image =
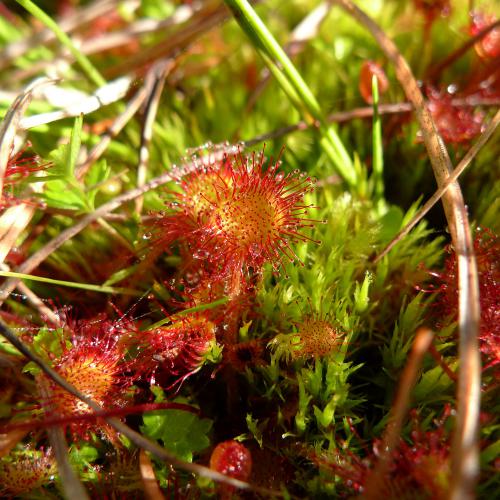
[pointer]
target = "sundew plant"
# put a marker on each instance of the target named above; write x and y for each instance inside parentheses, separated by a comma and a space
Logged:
(249, 249)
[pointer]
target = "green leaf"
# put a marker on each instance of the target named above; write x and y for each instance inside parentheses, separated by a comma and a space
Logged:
(378, 154)
(301, 418)
(490, 453)
(62, 190)
(391, 223)
(181, 432)
(95, 178)
(121, 275)
(325, 417)
(293, 85)
(8, 31)
(82, 458)
(255, 428)
(84, 454)
(432, 385)
(63, 195)
(361, 298)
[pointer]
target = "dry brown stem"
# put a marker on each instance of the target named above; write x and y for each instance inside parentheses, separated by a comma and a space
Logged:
(465, 452)
(71, 484)
(162, 69)
(421, 344)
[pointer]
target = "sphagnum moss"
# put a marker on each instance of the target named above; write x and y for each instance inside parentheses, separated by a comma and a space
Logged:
(274, 349)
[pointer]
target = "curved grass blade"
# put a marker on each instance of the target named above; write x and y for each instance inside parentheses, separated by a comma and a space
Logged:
(294, 86)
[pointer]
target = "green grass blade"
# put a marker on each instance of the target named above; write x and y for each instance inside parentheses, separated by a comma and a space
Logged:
(378, 153)
(74, 146)
(87, 67)
(71, 284)
(289, 78)
(184, 312)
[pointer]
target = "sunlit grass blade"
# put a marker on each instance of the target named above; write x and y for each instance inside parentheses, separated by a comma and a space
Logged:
(378, 152)
(88, 68)
(198, 308)
(294, 86)
(83, 286)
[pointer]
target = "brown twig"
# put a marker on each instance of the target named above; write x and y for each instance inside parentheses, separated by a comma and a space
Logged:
(465, 452)
(12, 223)
(150, 483)
(71, 484)
(121, 37)
(365, 112)
(421, 344)
(131, 109)
(207, 18)
(161, 70)
(464, 163)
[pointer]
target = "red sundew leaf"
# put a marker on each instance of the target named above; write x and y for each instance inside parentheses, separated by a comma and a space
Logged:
(23, 472)
(244, 354)
(177, 350)
(318, 337)
(487, 249)
(455, 124)
(20, 166)
(418, 469)
(93, 363)
(237, 216)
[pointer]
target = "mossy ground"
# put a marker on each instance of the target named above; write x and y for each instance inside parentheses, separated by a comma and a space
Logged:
(288, 409)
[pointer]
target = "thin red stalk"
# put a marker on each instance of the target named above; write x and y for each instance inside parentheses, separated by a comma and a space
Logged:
(115, 412)
(441, 362)
(435, 71)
